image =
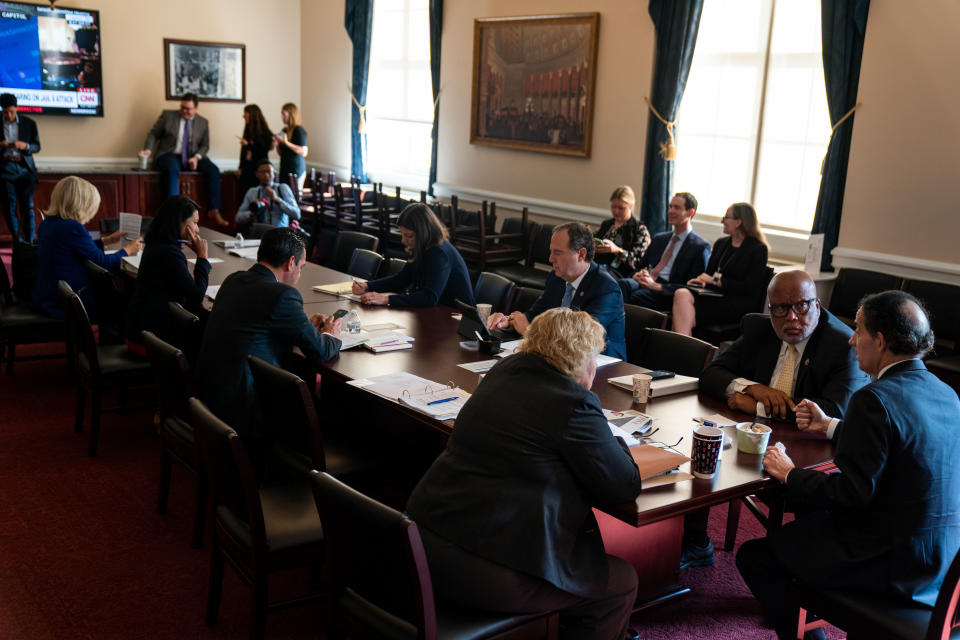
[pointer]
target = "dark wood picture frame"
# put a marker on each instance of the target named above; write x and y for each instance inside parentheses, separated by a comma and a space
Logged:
(196, 66)
(534, 80)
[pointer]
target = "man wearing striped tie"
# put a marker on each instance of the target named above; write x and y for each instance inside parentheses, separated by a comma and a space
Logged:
(799, 351)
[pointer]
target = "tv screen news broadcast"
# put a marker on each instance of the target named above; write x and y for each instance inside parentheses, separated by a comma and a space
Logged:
(50, 59)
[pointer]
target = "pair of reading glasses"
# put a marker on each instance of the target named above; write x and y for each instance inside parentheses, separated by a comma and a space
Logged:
(800, 308)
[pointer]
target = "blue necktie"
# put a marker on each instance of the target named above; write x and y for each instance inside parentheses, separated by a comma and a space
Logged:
(567, 296)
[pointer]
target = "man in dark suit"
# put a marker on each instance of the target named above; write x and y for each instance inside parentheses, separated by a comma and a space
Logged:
(182, 139)
(18, 173)
(889, 521)
(799, 351)
(674, 257)
(578, 283)
(259, 312)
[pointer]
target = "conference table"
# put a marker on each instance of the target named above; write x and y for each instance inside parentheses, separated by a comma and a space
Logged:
(646, 532)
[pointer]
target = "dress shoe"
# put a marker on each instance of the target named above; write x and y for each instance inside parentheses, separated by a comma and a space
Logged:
(631, 634)
(694, 556)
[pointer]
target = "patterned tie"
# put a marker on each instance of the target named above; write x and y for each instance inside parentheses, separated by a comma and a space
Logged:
(185, 146)
(567, 296)
(666, 257)
(785, 379)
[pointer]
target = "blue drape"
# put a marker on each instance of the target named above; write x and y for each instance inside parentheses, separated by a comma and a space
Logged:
(844, 23)
(676, 23)
(436, 32)
(359, 24)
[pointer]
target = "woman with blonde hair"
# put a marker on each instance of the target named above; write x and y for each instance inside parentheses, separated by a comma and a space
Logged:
(292, 145)
(505, 512)
(736, 271)
(64, 245)
(622, 240)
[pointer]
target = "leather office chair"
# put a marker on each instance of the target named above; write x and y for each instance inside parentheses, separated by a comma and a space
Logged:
(259, 529)
(381, 577)
(392, 266)
(851, 285)
(637, 319)
(364, 264)
(344, 245)
(528, 274)
(675, 352)
(871, 616)
(110, 295)
(717, 333)
(174, 379)
(523, 298)
(943, 304)
(20, 324)
(186, 331)
(98, 367)
(493, 290)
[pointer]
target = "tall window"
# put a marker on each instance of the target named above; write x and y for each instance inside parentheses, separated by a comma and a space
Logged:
(399, 94)
(753, 125)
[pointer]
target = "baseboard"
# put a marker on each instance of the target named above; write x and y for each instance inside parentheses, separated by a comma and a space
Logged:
(903, 266)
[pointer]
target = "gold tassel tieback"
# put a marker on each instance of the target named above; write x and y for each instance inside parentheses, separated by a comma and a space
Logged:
(362, 127)
(833, 130)
(668, 150)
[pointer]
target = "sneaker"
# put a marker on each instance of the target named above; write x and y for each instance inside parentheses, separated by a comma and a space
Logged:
(694, 556)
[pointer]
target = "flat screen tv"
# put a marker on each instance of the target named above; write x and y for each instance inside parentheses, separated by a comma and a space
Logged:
(50, 58)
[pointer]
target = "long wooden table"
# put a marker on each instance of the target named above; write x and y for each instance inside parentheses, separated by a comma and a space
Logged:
(651, 536)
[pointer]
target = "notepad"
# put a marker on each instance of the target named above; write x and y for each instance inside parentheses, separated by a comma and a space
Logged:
(341, 289)
(659, 388)
(388, 341)
(238, 244)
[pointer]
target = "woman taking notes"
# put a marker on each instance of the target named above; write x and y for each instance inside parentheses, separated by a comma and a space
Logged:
(436, 274)
(736, 270)
(163, 276)
(622, 240)
(65, 244)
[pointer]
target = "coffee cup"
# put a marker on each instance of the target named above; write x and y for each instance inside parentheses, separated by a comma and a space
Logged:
(752, 437)
(144, 160)
(641, 387)
(705, 454)
(484, 310)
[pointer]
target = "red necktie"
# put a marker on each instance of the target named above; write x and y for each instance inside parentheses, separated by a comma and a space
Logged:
(666, 257)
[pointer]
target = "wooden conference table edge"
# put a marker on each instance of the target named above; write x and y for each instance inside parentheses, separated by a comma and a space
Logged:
(435, 333)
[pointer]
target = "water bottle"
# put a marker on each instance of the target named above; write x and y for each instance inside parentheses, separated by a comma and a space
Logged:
(239, 242)
(352, 322)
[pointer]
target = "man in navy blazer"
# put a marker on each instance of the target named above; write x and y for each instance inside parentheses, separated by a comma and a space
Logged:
(18, 173)
(259, 312)
(889, 521)
(577, 282)
(674, 257)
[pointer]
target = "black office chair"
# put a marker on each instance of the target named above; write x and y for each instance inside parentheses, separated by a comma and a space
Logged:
(851, 285)
(493, 290)
(186, 331)
(111, 296)
(364, 264)
(392, 266)
(523, 298)
(259, 529)
(528, 274)
(943, 304)
(637, 320)
(728, 331)
(20, 324)
(381, 577)
(344, 245)
(675, 352)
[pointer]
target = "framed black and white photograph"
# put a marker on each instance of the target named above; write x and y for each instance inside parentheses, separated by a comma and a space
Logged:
(215, 71)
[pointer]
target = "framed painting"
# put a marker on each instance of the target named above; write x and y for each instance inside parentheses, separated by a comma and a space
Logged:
(533, 82)
(215, 71)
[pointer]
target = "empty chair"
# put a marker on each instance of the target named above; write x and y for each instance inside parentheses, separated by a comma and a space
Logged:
(110, 295)
(851, 285)
(98, 367)
(174, 379)
(943, 304)
(381, 578)
(494, 290)
(364, 264)
(528, 274)
(344, 245)
(637, 320)
(721, 332)
(523, 298)
(259, 529)
(186, 331)
(675, 352)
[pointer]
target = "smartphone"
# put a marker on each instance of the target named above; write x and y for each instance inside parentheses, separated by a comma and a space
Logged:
(339, 313)
(661, 374)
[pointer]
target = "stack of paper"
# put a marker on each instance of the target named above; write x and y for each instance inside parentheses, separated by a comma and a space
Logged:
(628, 423)
(659, 388)
(440, 401)
(387, 341)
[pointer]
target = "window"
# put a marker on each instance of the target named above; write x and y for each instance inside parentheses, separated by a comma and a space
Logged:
(399, 94)
(753, 125)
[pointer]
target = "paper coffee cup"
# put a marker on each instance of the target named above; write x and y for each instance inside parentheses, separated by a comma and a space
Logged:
(705, 453)
(752, 439)
(641, 387)
(143, 162)
(483, 310)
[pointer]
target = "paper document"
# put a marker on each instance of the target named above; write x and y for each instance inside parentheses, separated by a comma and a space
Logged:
(441, 401)
(381, 341)
(510, 347)
(212, 291)
(210, 260)
(341, 289)
(658, 388)
(383, 326)
(629, 421)
(130, 224)
(250, 253)
(132, 261)
(237, 244)
(479, 367)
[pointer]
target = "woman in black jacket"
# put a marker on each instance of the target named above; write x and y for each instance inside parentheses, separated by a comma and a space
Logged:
(163, 276)
(622, 240)
(255, 146)
(736, 271)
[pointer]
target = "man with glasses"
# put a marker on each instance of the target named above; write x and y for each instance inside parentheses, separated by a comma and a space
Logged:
(799, 351)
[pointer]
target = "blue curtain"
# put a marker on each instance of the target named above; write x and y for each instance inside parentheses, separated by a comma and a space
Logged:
(436, 32)
(676, 23)
(844, 23)
(359, 24)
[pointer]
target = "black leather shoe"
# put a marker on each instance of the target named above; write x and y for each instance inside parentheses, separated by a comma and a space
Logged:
(694, 556)
(632, 634)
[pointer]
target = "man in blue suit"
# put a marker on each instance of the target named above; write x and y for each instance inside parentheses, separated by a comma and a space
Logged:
(18, 173)
(674, 257)
(578, 283)
(889, 521)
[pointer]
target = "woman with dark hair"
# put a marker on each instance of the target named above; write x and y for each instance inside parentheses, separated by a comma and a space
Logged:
(736, 271)
(255, 145)
(163, 276)
(435, 274)
(622, 239)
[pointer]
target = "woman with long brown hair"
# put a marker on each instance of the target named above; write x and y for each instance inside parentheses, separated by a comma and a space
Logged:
(255, 145)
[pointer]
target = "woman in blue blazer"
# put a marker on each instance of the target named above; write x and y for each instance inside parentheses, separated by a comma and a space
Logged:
(64, 244)
(436, 274)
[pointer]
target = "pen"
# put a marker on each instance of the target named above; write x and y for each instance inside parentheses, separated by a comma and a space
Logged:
(442, 400)
(706, 423)
(380, 344)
